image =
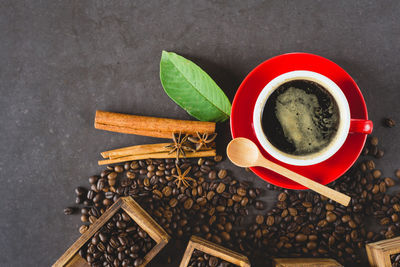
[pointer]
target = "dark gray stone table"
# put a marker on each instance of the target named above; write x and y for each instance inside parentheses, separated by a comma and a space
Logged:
(62, 60)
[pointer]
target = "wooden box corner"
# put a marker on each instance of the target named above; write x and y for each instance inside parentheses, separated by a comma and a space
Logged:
(305, 262)
(71, 257)
(213, 250)
(379, 252)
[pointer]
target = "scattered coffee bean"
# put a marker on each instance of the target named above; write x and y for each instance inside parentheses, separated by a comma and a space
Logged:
(380, 154)
(282, 196)
(69, 210)
(389, 182)
(218, 158)
(83, 228)
(370, 164)
(389, 122)
(374, 141)
(376, 174)
(259, 219)
(259, 205)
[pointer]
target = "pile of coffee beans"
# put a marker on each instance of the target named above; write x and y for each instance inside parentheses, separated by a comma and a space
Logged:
(120, 242)
(303, 223)
(227, 211)
(201, 259)
(212, 207)
(395, 260)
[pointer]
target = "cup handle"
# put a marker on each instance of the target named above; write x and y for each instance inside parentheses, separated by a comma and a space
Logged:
(360, 126)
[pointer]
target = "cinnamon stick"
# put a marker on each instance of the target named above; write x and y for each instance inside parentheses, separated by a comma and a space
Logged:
(135, 150)
(149, 126)
(138, 150)
(160, 155)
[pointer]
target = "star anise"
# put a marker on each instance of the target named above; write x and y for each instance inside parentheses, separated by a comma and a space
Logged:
(181, 178)
(179, 146)
(202, 140)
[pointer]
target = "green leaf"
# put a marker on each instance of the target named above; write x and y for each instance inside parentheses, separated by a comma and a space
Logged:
(192, 89)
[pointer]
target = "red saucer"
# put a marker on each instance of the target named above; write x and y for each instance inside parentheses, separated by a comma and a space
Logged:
(245, 99)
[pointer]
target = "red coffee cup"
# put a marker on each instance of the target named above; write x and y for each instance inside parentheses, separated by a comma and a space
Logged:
(326, 171)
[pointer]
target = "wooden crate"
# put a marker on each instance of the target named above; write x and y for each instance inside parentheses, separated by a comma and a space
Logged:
(71, 257)
(379, 252)
(304, 262)
(214, 250)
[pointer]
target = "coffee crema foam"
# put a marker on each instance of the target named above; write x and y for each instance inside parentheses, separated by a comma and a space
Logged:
(303, 122)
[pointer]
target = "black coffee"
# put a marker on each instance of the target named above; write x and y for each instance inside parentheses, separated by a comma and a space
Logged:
(300, 117)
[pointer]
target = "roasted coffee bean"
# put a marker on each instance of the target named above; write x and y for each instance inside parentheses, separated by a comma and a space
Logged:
(374, 141)
(270, 220)
(389, 122)
(301, 237)
(130, 175)
(382, 187)
(252, 193)
(370, 164)
(98, 197)
(90, 194)
(389, 182)
(222, 173)
(188, 204)
(259, 219)
(212, 175)
(83, 228)
(282, 196)
(396, 207)
(395, 260)
(281, 205)
(373, 150)
(384, 221)
(330, 217)
(93, 179)
(376, 174)
(397, 173)
(79, 199)
(112, 176)
(220, 188)
(375, 189)
(380, 154)
(118, 168)
(157, 193)
(259, 205)
(80, 191)
(244, 201)
(69, 210)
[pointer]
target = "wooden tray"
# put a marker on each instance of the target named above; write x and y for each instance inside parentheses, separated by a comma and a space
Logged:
(379, 252)
(214, 250)
(71, 257)
(304, 262)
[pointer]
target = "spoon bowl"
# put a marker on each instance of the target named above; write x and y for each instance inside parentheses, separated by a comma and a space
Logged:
(244, 153)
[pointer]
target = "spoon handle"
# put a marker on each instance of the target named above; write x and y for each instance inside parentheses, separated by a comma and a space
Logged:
(317, 187)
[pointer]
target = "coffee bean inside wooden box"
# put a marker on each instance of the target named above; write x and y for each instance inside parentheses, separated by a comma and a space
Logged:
(203, 245)
(71, 257)
(379, 252)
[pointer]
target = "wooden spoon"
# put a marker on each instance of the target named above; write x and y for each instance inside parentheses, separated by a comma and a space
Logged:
(244, 153)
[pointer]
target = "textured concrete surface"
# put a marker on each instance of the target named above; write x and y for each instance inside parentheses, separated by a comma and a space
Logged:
(62, 60)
